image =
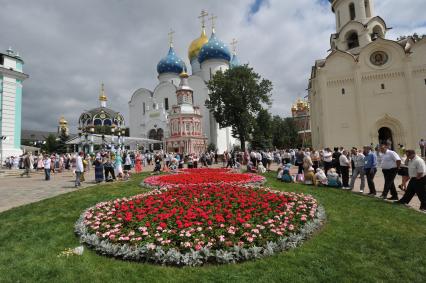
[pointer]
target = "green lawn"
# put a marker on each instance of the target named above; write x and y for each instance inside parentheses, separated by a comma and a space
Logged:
(364, 240)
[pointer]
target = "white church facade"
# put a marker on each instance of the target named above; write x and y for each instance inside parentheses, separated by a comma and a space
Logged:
(369, 89)
(149, 109)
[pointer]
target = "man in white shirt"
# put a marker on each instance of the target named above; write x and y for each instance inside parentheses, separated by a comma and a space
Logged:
(390, 166)
(327, 158)
(417, 172)
(79, 168)
(46, 164)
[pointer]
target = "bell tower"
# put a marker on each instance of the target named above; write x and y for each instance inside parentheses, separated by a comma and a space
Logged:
(356, 25)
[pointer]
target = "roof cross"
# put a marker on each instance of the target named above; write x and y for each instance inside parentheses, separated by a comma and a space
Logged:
(234, 45)
(171, 33)
(203, 16)
(213, 18)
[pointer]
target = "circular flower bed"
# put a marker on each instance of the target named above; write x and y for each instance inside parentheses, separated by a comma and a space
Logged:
(192, 225)
(202, 176)
(205, 170)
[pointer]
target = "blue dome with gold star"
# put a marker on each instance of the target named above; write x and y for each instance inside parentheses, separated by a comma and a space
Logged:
(171, 63)
(214, 49)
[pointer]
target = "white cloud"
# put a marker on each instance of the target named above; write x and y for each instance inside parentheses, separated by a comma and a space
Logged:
(70, 47)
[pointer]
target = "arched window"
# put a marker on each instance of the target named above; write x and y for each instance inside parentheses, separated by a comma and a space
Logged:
(367, 8)
(160, 134)
(97, 122)
(152, 134)
(352, 11)
(352, 40)
(377, 32)
(107, 122)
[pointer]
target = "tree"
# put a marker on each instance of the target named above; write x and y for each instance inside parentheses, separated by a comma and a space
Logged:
(262, 133)
(61, 141)
(50, 145)
(284, 133)
(236, 97)
(211, 147)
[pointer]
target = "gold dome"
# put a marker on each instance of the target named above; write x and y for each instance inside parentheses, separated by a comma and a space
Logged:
(62, 121)
(197, 44)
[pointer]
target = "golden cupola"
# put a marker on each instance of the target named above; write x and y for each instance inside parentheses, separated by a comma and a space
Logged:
(63, 122)
(198, 43)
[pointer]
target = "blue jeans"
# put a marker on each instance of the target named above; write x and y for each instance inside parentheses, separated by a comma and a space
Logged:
(47, 174)
(77, 178)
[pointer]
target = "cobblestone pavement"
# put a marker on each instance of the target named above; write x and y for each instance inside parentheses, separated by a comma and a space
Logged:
(17, 191)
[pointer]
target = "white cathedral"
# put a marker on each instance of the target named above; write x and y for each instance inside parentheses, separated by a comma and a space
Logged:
(149, 110)
(369, 89)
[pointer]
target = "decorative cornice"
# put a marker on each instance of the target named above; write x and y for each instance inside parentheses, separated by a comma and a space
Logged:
(340, 81)
(13, 73)
(419, 70)
(382, 76)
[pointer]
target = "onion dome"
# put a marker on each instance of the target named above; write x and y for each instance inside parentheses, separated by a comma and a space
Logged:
(214, 49)
(63, 122)
(196, 45)
(171, 63)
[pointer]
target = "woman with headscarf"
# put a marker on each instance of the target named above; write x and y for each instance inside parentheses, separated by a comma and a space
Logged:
(99, 170)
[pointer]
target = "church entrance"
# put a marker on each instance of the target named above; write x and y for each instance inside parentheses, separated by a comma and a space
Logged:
(156, 134)
(386, 136)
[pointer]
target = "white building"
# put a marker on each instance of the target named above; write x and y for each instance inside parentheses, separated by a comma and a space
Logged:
(149, 110)
(11, 78)
(369, 89)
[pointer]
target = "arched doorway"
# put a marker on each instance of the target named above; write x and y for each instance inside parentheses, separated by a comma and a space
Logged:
(156, 134)
(386, 136)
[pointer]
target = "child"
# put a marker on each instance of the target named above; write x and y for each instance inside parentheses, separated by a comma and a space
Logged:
(126, 175)
(280, 173)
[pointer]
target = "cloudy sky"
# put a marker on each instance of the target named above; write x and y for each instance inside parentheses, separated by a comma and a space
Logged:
(70, 47)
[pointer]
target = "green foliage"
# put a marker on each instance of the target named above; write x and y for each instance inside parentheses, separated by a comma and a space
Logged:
(61, 142)
(284, 133)
(263, 131)
(212, 147)
(51, 144)
(363, 240)
(236, 97)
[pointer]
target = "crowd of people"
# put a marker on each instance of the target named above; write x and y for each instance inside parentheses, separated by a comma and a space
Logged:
(337, 168)
(340, 168)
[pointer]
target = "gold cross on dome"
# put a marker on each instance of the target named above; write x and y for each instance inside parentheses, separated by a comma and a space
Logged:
(213, 18)
(171, 33)
(234, 45)
(203, 16)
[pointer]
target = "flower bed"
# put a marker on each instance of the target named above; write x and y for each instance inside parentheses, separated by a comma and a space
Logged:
(205, 170)
(192, 225)
(202, 176)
